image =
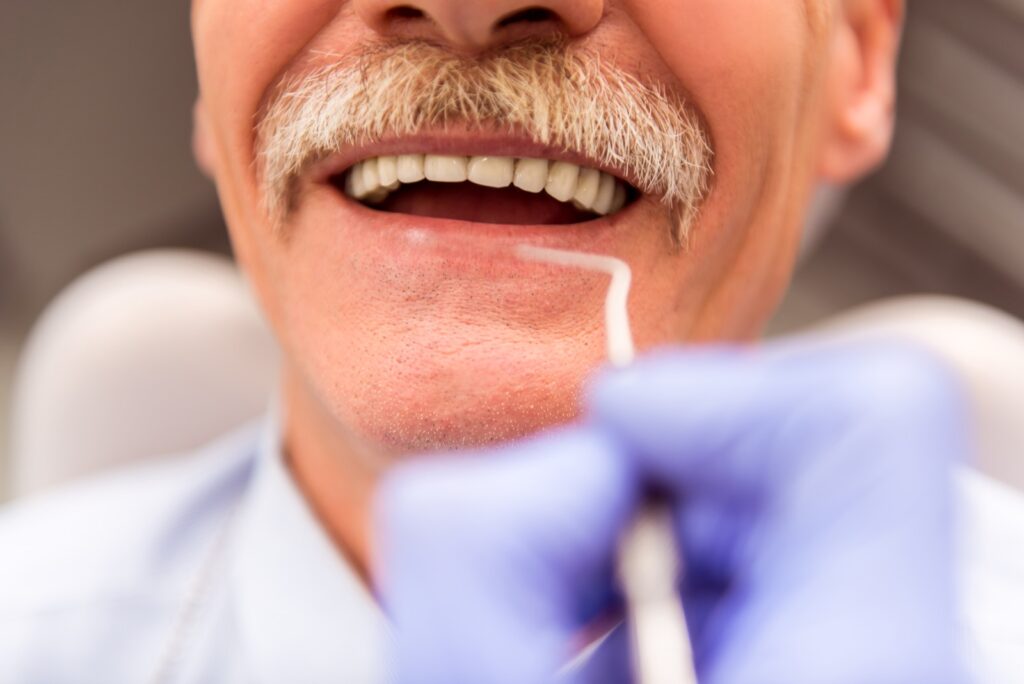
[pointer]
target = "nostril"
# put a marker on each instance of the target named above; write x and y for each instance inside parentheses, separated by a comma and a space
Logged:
(404, 12)
(530, 15)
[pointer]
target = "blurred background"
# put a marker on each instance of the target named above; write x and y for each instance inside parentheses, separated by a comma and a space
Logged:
(95, 162)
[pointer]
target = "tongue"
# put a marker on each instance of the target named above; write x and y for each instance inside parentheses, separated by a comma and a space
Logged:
(469, 202)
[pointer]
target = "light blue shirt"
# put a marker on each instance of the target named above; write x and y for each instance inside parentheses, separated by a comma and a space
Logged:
(207, 568)
(212, 568)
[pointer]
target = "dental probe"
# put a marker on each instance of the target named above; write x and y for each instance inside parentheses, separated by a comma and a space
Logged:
(648, 562)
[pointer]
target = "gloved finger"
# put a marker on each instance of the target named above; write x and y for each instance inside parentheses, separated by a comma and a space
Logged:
(815, 505)
(487, 560)
(715, 418)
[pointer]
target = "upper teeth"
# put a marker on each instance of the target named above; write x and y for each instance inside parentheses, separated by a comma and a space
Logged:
(372, 180)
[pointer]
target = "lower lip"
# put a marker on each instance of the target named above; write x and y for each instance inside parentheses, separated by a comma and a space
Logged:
(454, 272)
(450, 234)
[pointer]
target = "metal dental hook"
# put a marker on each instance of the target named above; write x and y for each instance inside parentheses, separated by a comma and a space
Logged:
(621, 351)
(649, 567)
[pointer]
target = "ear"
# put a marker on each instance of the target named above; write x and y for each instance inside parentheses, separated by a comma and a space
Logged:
(202, 144)
(861, 89)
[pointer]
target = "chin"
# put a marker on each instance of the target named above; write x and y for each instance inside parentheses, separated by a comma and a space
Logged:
(422, 400)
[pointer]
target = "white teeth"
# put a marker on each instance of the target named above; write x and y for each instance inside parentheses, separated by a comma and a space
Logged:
(605, 195)
(619, 198)
(491, 172)
(562, 181)
(354, 183)
(377, 196)
(387, 170)
(444, 168)
(410, 168)
(531, 174)
(372, 180)
(586, 188)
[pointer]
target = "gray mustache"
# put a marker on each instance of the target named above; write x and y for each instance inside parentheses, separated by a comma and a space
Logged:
(560, 97)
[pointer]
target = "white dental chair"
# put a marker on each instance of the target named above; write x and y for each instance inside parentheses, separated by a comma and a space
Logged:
(150, 354)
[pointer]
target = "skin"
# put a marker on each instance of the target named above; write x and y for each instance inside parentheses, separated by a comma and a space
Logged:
(394, 345)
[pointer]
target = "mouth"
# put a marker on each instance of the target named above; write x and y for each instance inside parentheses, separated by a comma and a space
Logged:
(484, 188)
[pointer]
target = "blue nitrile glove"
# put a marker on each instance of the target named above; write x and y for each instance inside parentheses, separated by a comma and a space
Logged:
(814, 503)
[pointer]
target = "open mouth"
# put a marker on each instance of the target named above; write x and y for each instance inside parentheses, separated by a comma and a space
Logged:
(485, 189)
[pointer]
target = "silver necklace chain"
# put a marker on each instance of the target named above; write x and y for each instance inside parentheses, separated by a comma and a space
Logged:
(187, 619)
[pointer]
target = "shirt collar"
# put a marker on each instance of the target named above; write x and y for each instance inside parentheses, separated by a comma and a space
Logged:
(303, 612)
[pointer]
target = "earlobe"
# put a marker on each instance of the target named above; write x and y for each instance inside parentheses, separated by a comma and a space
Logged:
(202, 145)
(860, 97)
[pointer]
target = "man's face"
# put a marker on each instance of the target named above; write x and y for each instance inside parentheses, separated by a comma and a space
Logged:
(410, 320)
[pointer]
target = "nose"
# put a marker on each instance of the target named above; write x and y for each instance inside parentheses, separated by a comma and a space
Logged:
(478, 25)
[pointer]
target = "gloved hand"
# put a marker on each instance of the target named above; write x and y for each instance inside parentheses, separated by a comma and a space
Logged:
(812, 490)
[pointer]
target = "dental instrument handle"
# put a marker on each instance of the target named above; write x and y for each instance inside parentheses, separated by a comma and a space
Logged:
(649, 571)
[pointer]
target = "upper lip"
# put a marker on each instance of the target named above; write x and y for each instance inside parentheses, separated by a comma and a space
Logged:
(456, 143)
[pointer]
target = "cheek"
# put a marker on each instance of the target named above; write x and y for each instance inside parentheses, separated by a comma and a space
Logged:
(741, 60)
(241, 45)
(745, 65)
(241, 48)
(732, 54)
